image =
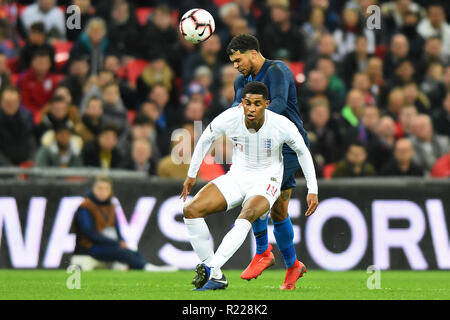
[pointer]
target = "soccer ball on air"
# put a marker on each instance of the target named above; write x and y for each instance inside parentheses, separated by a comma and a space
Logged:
(197, 25)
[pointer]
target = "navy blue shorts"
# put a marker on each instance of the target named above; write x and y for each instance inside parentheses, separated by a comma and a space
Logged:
(291, 166)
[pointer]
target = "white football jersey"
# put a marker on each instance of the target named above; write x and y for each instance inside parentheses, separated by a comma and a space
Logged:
(256, 153)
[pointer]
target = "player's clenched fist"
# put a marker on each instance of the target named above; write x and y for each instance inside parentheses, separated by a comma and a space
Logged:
(313, 202)
(187, 187)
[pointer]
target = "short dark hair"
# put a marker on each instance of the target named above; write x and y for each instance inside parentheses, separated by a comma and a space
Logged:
(38, 27)
(109, 126)
(142, 119)
(242, 43)
(256, 87)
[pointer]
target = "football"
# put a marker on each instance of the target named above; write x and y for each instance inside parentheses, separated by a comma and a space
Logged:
(197, 25)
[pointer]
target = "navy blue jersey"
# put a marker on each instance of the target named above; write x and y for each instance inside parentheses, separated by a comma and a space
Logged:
(277, 76)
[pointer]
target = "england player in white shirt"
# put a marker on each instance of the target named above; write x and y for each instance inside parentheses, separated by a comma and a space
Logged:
(253, 180)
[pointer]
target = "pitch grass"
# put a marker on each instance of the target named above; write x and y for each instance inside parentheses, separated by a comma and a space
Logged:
(315, 285)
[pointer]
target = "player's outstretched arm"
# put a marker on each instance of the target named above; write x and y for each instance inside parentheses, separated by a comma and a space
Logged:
(296, 142)
(187, 187)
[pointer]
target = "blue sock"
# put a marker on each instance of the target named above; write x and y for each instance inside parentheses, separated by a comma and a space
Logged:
(284, 234)
(260, 231)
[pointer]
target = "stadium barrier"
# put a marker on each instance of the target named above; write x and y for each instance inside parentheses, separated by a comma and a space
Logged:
(390, 223)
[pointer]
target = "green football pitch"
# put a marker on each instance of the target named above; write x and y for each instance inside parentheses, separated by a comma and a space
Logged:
(315, 285)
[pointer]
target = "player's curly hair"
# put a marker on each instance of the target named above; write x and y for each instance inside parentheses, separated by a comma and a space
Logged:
(242, 43)
(256, 87)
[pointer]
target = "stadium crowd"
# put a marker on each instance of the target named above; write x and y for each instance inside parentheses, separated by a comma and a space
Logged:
(108, 90)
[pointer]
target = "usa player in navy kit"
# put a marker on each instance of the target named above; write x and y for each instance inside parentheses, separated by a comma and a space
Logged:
(244, 52)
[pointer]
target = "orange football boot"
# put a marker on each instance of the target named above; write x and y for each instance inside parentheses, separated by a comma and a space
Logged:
(259, 263)
(292, 275)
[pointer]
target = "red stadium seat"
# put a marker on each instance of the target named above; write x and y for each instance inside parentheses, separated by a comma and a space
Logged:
(134, 69)
(142, 14)
(220, 3)
(297, 69)
(131, 115)
(328, 170)
(15, 78)
(13, 64)
(62, 53)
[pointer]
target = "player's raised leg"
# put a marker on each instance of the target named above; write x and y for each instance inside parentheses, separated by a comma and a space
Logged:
(208, 200)
(253, 208)
(284, 235)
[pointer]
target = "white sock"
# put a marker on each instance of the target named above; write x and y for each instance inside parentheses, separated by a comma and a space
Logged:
(230, 243)
(199, 237)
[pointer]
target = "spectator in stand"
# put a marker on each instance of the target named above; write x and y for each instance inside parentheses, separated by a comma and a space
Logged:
(282, 33)
(161, 135)
(433, 86)
(222, 100)
(169, 115)
(77, 77)
(176, 164)
(436, 25)
(396, 101)
(87, 11)
(37, 84)
(5, 78)
(112, 64)
(324, 143)
(62, 152)
(404, 128)
(355, 163)
(36, 41)
(94, 44)
(441, 168)
(45, 11)
(331, 15)
(447, 77)
(103, 152)
(409, 29)
(141, 158)
(316, 85)
(377, 150)
(315, 28)
(441, 117)
(249, 12)
(351, 27)
(160, 36)
(395, 14)
(431, 52)
(374, 71)
(355, 61)
(91, 121)
(428, 146)
(386, 131)
(63, 91)
(327, 48)
(194, 110)
(229, 13)
(143, 128)
(123, 28)
(156, 72)
(404, 73)
(352, 112)
(335, 83)
(401, 164)
(361, 82)
(413, 96)
(58, 113)
(209, 55)
(398, 51)
(17, 143)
